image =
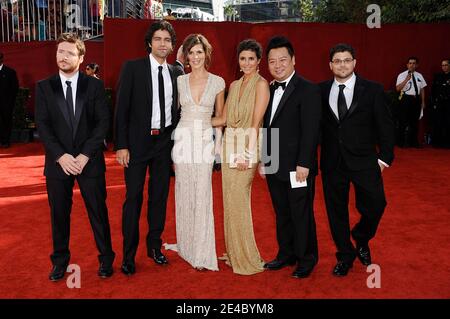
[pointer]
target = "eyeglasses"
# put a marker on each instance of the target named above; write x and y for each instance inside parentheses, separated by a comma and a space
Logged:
(444, 65)
(339, 61)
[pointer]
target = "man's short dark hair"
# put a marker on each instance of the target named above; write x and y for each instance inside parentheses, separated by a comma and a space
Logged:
(280, 42)
(159, 25)
(342, 47)
(413, 58)
(250, 45)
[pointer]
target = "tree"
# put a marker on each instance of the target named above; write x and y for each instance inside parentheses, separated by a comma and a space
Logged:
(415, 11)
(343, 11)
(405, 11)
(229, 12)
(304, 9)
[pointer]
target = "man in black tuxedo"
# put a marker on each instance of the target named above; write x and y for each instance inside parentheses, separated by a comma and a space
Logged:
(293, 114)
(355, 121)
(72, 119)
(9, 86)
(146, 114)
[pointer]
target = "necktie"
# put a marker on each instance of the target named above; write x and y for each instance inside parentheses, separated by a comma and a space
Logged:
(342, 105)
(162, 103)
(277, 84)
(69, 103)
(416, 89)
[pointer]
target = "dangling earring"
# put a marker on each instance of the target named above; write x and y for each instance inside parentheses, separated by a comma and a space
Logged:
(240, 70)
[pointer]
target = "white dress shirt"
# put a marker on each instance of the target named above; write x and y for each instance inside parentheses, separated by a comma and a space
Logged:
(277, 95)
(168, 95)
(73, 85)
(348, 93)
(408, 89)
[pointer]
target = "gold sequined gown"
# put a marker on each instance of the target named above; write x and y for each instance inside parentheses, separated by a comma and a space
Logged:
(241, 250)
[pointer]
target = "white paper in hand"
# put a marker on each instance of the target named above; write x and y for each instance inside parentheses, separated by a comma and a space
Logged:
(294, 183)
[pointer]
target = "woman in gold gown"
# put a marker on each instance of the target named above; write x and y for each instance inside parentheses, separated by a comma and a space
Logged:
(242, 115)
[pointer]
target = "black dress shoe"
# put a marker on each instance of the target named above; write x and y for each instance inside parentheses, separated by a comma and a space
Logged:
(128, 268)
(341, 269)
(363, 253)
(302, 272)
(158, 257)
(57, 273)
(279, 263)
(105, 271)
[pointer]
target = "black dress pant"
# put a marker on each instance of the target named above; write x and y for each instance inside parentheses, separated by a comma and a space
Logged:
(409, 120)
(93, 191)
(440, 124)
(370, 203)
(158, 167)
(296, 226)
(6, 115)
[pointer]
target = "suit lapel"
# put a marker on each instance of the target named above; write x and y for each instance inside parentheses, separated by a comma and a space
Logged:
(174, 91)
(269, 108)
(287, 93)
(359, 88)
(327, 100)
(80, 99)
(149, 86)
(55, 83)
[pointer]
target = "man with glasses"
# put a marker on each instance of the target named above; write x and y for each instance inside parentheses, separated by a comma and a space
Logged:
(440, 99)
(410, 84)
(355, 121)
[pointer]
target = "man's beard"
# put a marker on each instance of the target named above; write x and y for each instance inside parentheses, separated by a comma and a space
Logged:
(66, 68)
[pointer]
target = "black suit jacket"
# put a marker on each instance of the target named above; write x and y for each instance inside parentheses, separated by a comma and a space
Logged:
(134, 108)
(90, 129)
(367, 123)
(9, 86)
(298, 120)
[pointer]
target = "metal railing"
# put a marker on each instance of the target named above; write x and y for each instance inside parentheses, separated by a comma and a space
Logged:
(42, 20)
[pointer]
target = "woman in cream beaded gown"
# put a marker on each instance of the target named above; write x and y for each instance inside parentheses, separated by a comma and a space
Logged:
(243, 113)
(193, 156)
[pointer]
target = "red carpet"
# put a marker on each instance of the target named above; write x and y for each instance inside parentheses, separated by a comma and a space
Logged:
(411, 246)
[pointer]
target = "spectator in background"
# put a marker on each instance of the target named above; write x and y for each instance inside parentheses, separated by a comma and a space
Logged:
(9, 86)
(411, 86)
(169, 15)
(92, 69)
(440, 104)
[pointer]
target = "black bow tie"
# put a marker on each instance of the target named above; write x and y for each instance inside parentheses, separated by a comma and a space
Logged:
(277, 84)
